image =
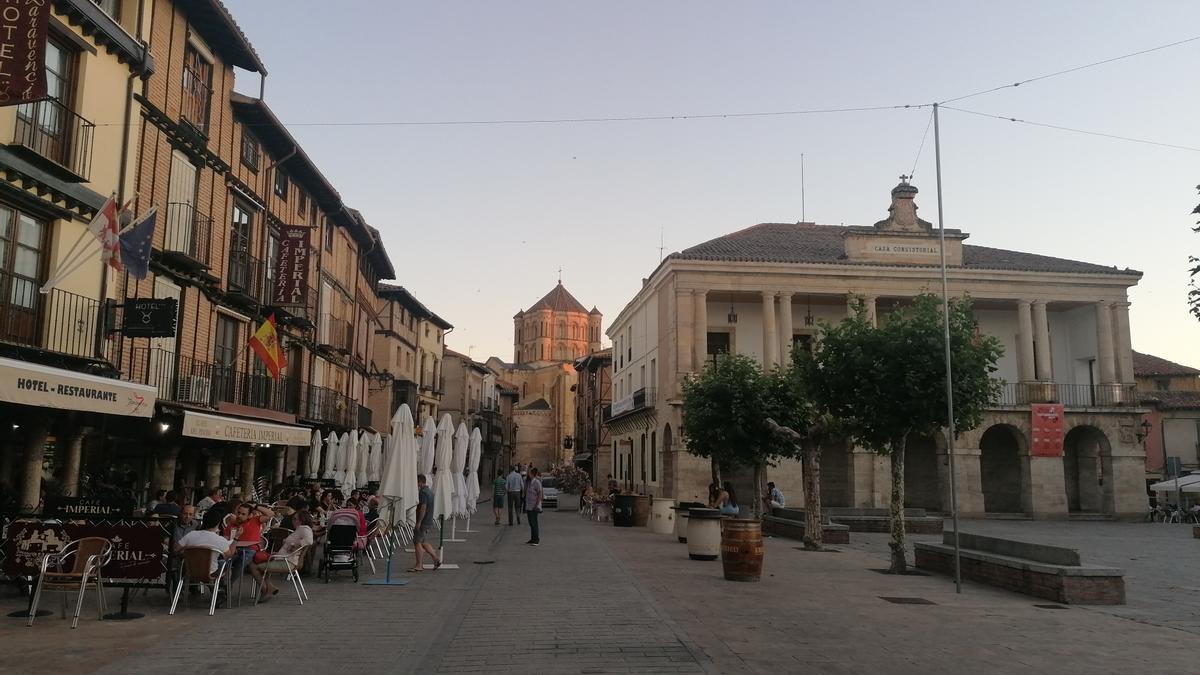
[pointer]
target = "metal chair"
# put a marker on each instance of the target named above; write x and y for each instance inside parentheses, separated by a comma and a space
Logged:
(88, 557)
(293, 572)
(197, 569)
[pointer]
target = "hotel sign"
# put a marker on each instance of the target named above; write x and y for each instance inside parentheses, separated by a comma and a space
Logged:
(23, 26)
(217, 427)
(291, 266)
(46, 387)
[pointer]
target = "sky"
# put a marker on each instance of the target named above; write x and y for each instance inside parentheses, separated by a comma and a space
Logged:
(478, 218)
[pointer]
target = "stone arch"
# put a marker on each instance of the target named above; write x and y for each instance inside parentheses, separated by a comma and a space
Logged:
(922, 482)
(1087, 470)
(1002, 447)
(668, 461)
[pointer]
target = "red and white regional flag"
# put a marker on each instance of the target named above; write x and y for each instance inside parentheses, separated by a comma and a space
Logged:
(106, 228)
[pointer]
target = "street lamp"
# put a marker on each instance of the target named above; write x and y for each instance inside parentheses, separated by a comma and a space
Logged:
(568, 442)
(1145, 430)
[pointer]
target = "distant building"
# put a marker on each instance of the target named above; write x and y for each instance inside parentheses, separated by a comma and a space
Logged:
(593, 399)
(1172, 393)
(401, 349)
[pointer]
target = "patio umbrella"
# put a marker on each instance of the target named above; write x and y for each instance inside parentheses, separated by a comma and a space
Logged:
(331, 455)
(364, 456)
(350, 443)
(399, 481)
(458, 464)
(443, 483)
(375, 460)
(426, 451)
(314, 455)
(474, 450)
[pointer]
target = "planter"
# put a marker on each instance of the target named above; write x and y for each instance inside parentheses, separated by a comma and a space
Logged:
(567, 502)
(742, 549)
(704, 534)
(681, 519)
(662, 516)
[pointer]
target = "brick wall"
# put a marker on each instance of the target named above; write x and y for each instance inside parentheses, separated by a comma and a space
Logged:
(1059, 588)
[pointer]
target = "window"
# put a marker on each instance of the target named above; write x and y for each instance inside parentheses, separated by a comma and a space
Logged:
(46, 127)
(197, 88)
(642, 457)
(22, 238)
(240, 268)
(653, 456)
(281, 184)
(110, 7)
(250, 151)
(1162, 384)
(226, 348)
(329, 235)
(718, 346)
(804, 342)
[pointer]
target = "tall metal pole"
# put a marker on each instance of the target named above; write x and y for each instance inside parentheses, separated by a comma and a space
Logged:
(803, 214)
(937, 149)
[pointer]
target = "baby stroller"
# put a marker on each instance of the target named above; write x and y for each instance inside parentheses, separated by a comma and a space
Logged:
(341, 550)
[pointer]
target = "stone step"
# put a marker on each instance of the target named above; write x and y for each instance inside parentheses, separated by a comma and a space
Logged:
(1091, 516)
(1007, 516)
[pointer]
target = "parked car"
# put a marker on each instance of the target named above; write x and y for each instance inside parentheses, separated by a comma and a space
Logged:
(550, 493)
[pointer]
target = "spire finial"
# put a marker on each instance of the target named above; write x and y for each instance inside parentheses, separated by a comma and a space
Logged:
(560, 275)
(904, 179)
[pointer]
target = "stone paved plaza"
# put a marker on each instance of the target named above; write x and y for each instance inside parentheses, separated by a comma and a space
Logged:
(597, 599)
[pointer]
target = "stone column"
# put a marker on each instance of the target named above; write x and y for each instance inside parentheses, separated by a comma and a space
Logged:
(968, 481)
(869, 301)
(685, 331)
(785, 329)
(164, 468)
(1041, 332)
(248, 473)
(74, 459)
(1104, 343)
(1042, 487)
(700, 328)
(212, 476)
(31, 474)
(1025, 369)
(770, 338)
(280, 461)
(1124, 355)
(189, 477)
(8, 456)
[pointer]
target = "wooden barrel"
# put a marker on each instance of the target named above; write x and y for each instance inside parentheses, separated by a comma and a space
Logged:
(641, 511)
(742, 549)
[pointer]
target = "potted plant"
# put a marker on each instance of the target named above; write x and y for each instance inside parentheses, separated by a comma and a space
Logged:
(570, 480)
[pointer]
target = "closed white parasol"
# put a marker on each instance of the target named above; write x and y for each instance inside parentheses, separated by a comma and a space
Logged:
(363, 448)
(332, 448)
(350, 445)
(375, 459)
(314, 455)
(426, 451)
(474, 450)
(443, 483)
(399, 480)
(458, 464)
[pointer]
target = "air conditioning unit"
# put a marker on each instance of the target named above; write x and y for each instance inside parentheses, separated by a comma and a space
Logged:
(194, 389)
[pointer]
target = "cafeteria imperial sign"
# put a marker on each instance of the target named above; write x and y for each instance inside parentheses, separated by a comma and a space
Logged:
(220, 428)
(42, 386)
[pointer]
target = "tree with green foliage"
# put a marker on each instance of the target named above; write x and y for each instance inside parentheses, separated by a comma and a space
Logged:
(802, 421)
(725, 409)
(888, 382)
(1193, 296)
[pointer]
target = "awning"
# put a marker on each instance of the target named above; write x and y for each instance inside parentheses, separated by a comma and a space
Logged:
(1184, 481)
(582, 457)
(35, 384)
(221, 428)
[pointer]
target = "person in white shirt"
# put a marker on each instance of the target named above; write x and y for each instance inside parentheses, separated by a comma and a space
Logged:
(292, 547)
(214, 495)
(774, 498)
(514, 484)
(207, 537)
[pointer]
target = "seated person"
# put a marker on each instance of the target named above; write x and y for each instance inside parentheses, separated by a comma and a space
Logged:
(186, 523)
(372, 513)
(167, 507)
(303, 536)
(208, 537)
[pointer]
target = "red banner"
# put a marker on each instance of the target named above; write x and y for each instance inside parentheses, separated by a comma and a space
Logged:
(23, 26)
(1049, 423)
(291, 266)
(137, 549)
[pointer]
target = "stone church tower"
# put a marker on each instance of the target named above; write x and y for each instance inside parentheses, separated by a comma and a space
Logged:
(556, 328)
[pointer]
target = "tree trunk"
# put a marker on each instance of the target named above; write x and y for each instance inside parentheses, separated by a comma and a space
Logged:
(716, 473)
(814, 535)
(896, 511)
(758, 491)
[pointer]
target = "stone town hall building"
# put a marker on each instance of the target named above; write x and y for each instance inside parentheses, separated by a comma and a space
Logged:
(547, 338)
(1064, 326)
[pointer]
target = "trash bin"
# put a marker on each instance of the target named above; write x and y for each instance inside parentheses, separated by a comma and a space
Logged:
(704, 534)
(622, 513)
(662, 516)
(681, 519)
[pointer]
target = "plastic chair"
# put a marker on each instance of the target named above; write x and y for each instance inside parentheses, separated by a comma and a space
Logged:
(293, 572)
(88, 557)
(197, 569)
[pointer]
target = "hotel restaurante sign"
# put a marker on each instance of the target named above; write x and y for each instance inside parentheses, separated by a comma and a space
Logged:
(46, 387)
(23, 25)
(216, 427)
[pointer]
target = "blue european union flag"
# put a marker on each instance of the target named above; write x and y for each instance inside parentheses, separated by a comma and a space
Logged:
(136, 243)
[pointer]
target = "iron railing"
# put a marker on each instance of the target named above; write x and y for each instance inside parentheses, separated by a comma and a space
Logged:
(1070, 395)
(336, 334)
(58, 321)
(54, 131)
(196, 97)
(304, 314)
(184, 379)
(245, 277)
(332, 407)
(638, 400)
(188, 234)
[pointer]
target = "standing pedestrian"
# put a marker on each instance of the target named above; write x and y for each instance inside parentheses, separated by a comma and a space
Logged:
(424, 526)
(515, 484)
(499, 487)
(533, 506)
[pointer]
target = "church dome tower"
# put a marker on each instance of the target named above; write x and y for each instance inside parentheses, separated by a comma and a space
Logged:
(556, 328)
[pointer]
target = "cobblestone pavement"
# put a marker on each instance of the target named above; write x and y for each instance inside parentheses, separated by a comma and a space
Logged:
(1161, 585)
(598, 599)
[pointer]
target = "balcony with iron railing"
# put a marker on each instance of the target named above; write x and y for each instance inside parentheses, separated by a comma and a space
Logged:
(330, 407)
(197, 95)
(639, 400)
(58, 321)
(187, 237)
(336, 334)
(302, 315)
(1018, 394)
(51, 130)
(245, 281)
(184, 379)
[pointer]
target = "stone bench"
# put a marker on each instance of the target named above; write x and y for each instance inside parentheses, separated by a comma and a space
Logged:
(1050, 572)
(792, 528)
(916, 521)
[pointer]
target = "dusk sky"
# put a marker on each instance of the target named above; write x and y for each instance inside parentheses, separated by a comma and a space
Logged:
(478, 218)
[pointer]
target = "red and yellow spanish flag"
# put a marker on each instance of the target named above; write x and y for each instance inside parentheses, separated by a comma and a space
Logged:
(265, 343)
